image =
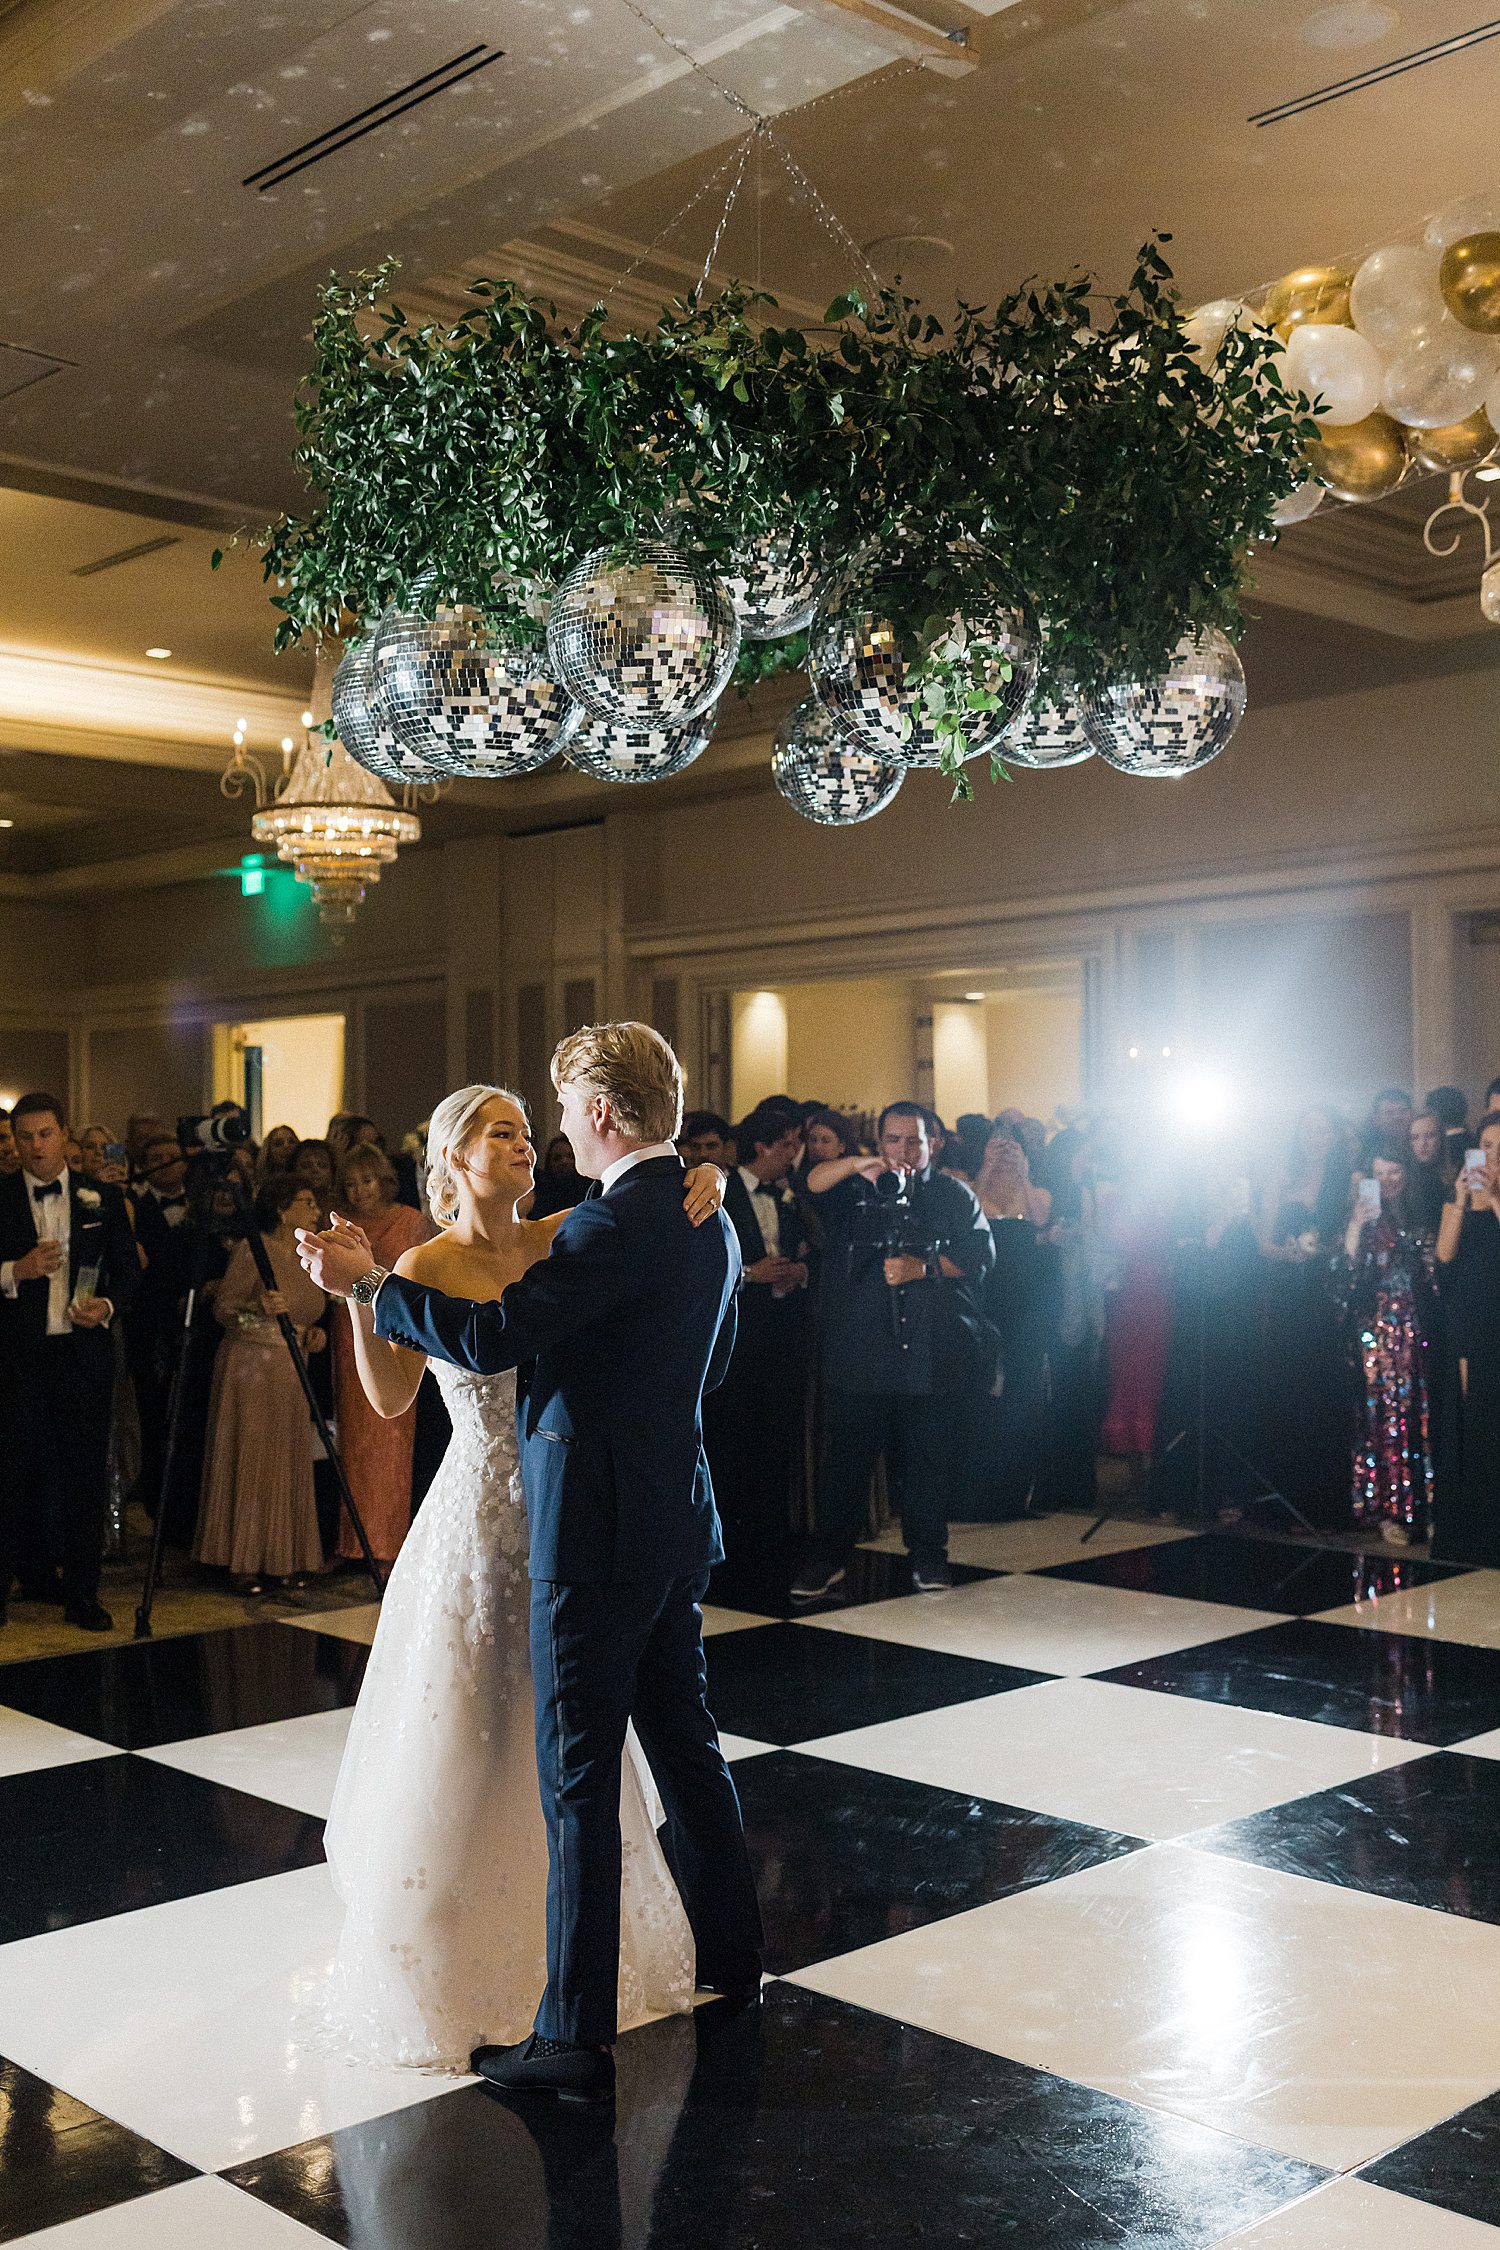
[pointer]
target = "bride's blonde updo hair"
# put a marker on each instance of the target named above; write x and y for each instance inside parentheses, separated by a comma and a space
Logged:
(449, 1131)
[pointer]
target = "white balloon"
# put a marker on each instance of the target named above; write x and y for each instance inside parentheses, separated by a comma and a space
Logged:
(1337, 365)
(1298, 505)
(1473, 214)
(1209, 325)
(1492, 403)
(1441, 377)
(1396, 295)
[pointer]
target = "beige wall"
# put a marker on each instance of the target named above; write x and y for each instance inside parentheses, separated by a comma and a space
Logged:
(1033, 1051)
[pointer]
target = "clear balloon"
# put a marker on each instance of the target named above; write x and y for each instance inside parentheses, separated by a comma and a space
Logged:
(1396, 296)
(1441, 377)
(1206, 328)
(1336, 366)
(1298, 505)
(1472, 214)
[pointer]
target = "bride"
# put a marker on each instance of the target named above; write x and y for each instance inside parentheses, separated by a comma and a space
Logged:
(435, 1839)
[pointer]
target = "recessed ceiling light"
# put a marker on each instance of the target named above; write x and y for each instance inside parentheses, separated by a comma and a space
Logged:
(161, 654)
(1349, 24)
(975, 996)
(7, 824)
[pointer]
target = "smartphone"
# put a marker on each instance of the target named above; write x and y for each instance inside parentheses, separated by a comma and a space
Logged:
(1474, 1169)
(115, 1151)
(1368, 1203)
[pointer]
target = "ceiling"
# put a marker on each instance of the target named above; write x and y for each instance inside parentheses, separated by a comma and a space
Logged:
(160, 278)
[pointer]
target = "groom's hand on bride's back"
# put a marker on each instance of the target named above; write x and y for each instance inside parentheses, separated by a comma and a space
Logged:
(336, 1258)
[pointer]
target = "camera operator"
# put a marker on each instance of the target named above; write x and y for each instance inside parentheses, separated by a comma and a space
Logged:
(907, 1252)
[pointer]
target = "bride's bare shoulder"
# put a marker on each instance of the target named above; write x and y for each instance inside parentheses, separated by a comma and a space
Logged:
(427, 1261)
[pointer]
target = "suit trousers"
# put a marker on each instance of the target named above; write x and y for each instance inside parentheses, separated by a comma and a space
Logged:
(61, 1400)
(603, 1656)
(918, 1439)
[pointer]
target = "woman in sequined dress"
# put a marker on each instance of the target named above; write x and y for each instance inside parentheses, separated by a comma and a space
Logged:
(1390, 1305)
(1467, 1529)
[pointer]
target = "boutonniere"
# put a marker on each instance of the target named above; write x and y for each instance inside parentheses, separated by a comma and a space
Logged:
(90, 1198)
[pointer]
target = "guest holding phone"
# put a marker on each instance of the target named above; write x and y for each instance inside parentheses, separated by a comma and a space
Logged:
(1467, 1527)
(1389, 1278)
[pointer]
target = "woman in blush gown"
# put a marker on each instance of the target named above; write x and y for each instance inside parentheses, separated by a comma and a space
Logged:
(435, 1838)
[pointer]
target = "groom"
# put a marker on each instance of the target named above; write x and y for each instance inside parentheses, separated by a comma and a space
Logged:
(629, 1320)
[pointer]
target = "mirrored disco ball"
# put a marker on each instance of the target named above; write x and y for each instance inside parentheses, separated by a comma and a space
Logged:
(774, 593)
(825, 776)
(1177, 723)
(647, 640)
(861, 671)
(612, 752)
(361, 725)
(1048, 733)
(458, 694)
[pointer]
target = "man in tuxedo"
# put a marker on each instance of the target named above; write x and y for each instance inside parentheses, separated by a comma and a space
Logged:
(752, 1424)
(68, 1264)
(629, 1320)
(153, 1325)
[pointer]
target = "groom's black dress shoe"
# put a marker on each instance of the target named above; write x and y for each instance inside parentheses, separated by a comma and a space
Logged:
(737, 1988)
(546, 2066)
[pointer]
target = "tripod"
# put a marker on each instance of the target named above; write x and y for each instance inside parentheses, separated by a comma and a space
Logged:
(264, 1268)
(1204, 1438)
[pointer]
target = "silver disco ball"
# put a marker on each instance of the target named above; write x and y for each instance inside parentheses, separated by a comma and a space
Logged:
(361, 725)
(1177, 723)
(459, 694)
(775, 594)
(643, 640)
(611, 752)
(863, 673)
(826, 777)
(1049, 732)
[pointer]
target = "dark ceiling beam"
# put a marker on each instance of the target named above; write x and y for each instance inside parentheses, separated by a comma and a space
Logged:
(93, 491)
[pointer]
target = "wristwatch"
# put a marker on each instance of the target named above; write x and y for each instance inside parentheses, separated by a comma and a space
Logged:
(363, 1292)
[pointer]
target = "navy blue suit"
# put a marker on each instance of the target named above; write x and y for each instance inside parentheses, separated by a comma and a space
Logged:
(629, 1320)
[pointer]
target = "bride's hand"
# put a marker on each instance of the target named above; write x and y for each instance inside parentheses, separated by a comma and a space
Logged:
(354, 1238)
(704, 1192)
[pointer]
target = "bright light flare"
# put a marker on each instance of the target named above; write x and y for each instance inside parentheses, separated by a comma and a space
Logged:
(1201, 1101)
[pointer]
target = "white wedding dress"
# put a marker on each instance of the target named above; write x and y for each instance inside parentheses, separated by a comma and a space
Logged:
(435, 1838)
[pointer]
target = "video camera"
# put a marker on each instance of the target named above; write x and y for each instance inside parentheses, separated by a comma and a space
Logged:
(891, 1224)
(229, 1131)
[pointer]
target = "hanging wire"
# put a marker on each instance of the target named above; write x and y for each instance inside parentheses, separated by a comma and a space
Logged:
(673, 223)
(752, 138)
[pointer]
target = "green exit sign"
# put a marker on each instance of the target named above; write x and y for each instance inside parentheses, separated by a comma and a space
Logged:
(252, 875)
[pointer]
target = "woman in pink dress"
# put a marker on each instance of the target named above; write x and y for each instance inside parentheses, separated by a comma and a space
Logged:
(376, 1454)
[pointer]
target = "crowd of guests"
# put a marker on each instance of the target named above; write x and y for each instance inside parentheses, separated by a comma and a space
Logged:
(961, 1319)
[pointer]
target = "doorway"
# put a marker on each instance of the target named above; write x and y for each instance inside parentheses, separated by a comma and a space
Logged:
(287, 1070)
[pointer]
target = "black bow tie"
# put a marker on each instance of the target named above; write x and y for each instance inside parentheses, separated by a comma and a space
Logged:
(172, 1202)
(53, 1187)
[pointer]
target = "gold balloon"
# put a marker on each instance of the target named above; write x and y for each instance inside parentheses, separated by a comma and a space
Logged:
(1311, 293)
(1462, 445)
(1362, 461)
(1470, 280)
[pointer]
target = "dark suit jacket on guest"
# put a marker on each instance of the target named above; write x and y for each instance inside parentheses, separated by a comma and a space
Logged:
(99, 1235)
(629, 1320)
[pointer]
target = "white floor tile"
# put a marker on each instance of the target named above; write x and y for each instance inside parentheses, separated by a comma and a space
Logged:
(1480, 1745)
(1322, 2022)
(356, 1624)
(191, 2022)
(1454, 1609)
(190, 2216)
(1354, 2215)
(27, 1745)
(291, 1761)
(1117, 1757)
(1039, 1542)
(738, 1747)
(716, 1620)
(1046, 1624)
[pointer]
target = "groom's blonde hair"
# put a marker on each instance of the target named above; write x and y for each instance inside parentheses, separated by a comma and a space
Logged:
(635, 1070)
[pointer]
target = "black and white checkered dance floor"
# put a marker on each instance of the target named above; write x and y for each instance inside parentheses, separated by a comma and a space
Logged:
(1144, 1895)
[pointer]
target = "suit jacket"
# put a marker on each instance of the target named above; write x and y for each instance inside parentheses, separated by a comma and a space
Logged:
(769, 1326)
(99, 1235)
(629, 1321)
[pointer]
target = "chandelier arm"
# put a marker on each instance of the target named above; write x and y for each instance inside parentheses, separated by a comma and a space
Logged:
(1458, 503)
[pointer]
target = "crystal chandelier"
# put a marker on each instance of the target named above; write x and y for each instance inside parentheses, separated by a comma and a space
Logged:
(335, 825)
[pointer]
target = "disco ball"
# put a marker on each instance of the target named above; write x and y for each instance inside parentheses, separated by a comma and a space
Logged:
(1177, 723)
(360, 722)
(862, 672)
(646, 639)
(774, 592)
(461, 695)
(611, 752)
(1049, 732)
(826, 777)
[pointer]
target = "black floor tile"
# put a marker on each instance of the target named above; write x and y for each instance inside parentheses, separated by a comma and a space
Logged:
(199, 1683)
(112, 1834)
(1425, 1833)
(1270, 1574)
(60, 2160)
(804, 2125)
(844, 1857)
(790, 1683)
(871, 1576)
(1456, 2165)
(1340, 1676)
